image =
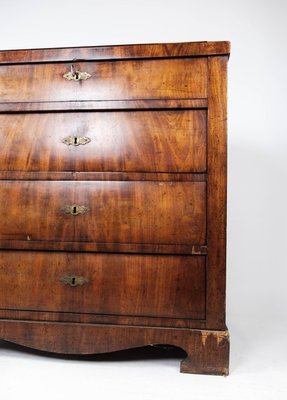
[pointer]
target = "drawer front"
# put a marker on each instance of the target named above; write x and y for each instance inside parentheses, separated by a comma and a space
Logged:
(118, 80)
(132, 285)
(151, 141)
(108, 212)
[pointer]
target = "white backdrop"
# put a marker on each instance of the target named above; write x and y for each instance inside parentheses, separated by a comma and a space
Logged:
(257, 194)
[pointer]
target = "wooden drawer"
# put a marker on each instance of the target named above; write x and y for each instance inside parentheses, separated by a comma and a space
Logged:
(116, 212)
(139, 285)
(150, 141)
(113, 80)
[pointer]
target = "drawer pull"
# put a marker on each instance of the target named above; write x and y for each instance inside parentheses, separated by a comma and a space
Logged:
(74, 280)
(75, 140)
(75, 209)
(75, 75)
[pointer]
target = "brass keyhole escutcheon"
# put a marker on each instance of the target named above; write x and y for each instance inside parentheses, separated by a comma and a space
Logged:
(74, 75)
(76, 140)
(75, 209)
(73, 280)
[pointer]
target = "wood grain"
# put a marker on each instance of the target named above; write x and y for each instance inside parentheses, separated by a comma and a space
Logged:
(152, 244)
(102, 176)
(90, 105)
(129, 285)
(151, 50)
(207, 350)
(216, 193)
(142, 248)
(137, 141)
(119, 212)
(119, 80)
(88, 318)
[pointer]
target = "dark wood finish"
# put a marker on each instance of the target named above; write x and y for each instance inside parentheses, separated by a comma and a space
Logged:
(101, 176)
(216, 193)
(119, 80)
(151, 104)
(143, 248)
(132, 285)
(119, 212)
(149, 254)
(157, 50)
(207, 350)
(89, 318)
(152, 141)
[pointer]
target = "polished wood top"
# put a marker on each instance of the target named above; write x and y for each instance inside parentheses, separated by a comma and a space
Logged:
(156, 50)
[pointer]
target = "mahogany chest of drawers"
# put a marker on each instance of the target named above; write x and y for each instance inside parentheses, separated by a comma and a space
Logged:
(113, 192)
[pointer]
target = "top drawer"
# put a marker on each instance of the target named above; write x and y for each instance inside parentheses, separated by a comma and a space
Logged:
(178, 78)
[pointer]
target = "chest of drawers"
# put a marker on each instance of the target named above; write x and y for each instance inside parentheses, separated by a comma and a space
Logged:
(113, 195)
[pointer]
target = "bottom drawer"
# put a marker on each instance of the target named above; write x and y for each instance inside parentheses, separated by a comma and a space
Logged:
(114, 284)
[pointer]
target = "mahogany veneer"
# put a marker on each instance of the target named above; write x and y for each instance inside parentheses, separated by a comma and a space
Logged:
(122, 284)
(121, 141)
(119, 212)
(113, 186)
(118, 80)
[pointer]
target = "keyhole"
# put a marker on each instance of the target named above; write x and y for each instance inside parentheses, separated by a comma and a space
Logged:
(77, 75)
(74, 210)
(75, 140)
(73, 280)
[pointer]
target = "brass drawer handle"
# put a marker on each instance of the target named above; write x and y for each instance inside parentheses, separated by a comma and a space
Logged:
(75, 209)
(75, 140)
(74, 280)
(75, 75)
